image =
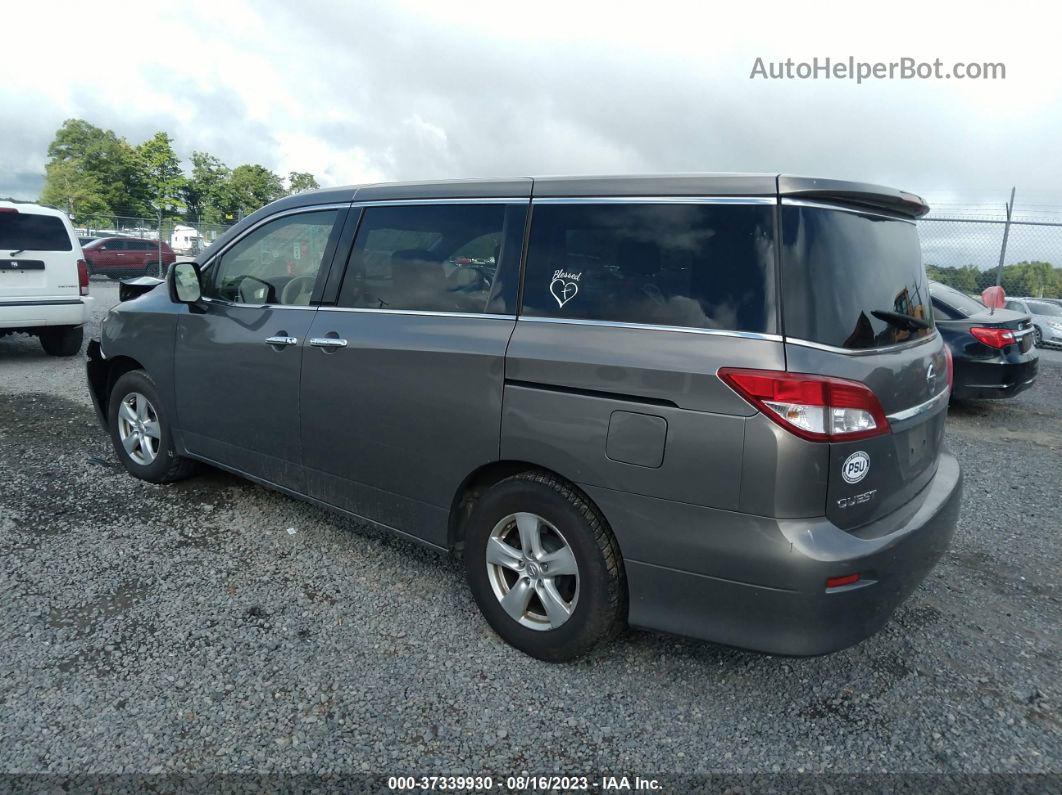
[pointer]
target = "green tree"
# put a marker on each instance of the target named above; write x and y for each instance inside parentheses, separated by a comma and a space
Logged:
(90, 170)
(299, 181)
(966, 278)
(252, 186)
(159, 179)
(207, 192)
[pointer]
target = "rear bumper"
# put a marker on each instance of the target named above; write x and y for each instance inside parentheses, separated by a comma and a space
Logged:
(760, 583)
(1000, 378)
(38, 312)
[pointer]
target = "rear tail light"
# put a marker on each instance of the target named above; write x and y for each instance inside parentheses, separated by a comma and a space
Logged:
(950, 366)
(82, 276)
(813, 407)
(994, 337)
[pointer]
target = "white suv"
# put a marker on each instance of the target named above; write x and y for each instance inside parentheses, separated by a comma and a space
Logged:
(43, 277)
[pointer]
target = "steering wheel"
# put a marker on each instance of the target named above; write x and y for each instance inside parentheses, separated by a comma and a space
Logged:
(297, 291)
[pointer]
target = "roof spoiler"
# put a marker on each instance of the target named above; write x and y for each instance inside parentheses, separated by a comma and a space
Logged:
(853, 194)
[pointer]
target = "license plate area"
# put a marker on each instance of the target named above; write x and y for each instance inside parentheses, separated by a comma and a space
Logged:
(19, 275)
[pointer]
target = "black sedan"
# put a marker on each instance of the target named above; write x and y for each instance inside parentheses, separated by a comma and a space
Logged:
(992, 350)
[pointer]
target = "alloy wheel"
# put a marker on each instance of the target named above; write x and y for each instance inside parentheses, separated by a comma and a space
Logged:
(532, 571)
(138, 428)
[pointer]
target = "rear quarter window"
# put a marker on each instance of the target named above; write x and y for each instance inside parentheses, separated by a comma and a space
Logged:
(697, 265)
(847, 276)
(33, 232)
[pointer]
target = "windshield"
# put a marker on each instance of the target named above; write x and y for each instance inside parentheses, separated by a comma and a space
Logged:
(1044, 308)
(960, 302)
(31, 232)
(852, 279)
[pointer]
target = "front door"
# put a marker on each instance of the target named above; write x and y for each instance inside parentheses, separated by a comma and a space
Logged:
(402, 381)
(112, 256)
(239, 354)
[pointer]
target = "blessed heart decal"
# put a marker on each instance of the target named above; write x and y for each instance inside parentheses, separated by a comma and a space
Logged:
(564, 286)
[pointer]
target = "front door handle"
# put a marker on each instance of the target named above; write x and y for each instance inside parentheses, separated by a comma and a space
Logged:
(282, 340)
(328, 342)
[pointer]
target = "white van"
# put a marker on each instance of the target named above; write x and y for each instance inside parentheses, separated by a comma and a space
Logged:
(44, 280)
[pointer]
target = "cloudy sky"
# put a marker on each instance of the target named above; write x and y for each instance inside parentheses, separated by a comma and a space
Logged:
(360, 92)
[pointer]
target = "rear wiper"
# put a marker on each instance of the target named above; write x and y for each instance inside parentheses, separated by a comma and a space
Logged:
(900, 320)
(15, 253)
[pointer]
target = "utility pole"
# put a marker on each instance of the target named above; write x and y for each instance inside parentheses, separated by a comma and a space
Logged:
(160, 240)
(1006, 234)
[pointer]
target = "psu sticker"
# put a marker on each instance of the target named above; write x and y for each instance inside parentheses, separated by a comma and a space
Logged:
(855, 467)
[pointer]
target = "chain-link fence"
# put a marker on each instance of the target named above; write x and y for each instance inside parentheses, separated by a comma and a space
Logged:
(971, 243)
(184, 237)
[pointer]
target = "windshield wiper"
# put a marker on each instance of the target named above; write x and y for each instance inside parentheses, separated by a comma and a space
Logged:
(900, 320)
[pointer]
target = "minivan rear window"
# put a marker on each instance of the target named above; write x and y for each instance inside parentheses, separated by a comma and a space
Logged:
(32, 232)
(698, 265)
(852, 279)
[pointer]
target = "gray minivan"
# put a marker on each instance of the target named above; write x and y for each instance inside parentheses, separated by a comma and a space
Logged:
(711, 405)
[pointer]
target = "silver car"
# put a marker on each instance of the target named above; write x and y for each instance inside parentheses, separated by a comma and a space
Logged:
(1046, 317)
(706, 405)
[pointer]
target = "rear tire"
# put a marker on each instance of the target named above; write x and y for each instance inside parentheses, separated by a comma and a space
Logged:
(561, 615)
(140, 431)
(62, 340)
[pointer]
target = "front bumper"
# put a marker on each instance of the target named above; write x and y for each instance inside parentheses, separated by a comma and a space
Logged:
(999, 378)
(1050, 337)
(96, 370)
(760, 583)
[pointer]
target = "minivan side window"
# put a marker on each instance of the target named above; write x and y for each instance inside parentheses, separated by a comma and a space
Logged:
(698, 265)
(435, 258)
(277, 263)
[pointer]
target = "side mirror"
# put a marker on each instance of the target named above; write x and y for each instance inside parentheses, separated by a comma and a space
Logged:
(102, 248)
(184, 283)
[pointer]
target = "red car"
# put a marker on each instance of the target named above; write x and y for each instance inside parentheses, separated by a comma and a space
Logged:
(119, 257)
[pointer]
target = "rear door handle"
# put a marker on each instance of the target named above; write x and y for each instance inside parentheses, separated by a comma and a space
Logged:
(328, 342)
(282, 340)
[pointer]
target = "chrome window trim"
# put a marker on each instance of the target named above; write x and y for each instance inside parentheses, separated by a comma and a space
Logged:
(415, 312)
(222, 302)
(786, 202)
(414, 202)
(764, 200)
(751, 335)
(309, 208)
(862, 351)
(921, 408)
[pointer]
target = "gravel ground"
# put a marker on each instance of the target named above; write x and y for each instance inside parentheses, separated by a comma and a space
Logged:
(213, 625)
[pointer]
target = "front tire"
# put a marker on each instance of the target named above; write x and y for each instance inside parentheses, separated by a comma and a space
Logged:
(544, 568)
(62, 340)
(153, 269)
(1038, 337)
(140, 431)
